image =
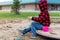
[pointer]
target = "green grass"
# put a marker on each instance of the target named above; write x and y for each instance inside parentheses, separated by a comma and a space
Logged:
(21, 15)
(55, 14)
(24, 14)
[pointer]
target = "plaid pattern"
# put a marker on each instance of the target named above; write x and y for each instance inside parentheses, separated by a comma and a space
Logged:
(44, 17)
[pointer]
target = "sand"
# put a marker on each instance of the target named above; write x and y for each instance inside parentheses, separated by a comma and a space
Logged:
(9, 29)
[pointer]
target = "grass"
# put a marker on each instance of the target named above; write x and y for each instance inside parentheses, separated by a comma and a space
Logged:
(24, 14)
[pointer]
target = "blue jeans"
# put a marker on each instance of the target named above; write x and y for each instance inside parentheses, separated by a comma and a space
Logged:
(33, 27)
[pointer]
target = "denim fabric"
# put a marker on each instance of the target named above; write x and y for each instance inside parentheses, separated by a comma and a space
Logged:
(33, 27)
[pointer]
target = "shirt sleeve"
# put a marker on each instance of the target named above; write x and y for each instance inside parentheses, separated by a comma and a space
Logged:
(35, 19)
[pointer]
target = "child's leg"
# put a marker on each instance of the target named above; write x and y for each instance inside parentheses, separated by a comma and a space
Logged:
(35, 26)
(26, 30)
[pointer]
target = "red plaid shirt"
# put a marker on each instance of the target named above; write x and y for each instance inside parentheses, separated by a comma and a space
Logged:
(44, 17)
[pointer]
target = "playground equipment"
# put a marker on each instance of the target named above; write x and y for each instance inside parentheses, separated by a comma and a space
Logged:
(49, 35)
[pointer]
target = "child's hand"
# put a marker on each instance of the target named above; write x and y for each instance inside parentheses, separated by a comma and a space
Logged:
(29, 17)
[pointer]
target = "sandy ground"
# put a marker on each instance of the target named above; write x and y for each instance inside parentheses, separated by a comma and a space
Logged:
(9, 29)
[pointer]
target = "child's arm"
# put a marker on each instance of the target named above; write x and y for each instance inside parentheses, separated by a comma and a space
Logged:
(35, 19)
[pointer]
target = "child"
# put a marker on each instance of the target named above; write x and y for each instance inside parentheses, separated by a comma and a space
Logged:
(39, 22)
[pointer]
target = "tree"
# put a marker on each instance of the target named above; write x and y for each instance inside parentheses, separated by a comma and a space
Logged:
(16, 6)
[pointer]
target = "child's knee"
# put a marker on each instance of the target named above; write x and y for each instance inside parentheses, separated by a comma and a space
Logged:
(33, 23)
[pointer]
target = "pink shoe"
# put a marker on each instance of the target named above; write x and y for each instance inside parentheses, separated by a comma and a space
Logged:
(45, 28)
